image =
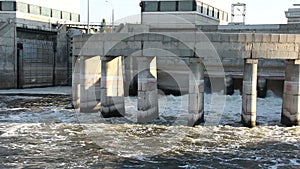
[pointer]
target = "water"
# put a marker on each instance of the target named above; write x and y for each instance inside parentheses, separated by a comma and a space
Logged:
(37, 134)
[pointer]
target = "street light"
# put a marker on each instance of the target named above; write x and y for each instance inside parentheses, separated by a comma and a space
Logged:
(88, 16)
(112, 13)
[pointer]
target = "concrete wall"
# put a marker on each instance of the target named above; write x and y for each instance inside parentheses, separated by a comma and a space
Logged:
(270, 28)
(7, 56)
(220, 51)
(12, 74)
(62, 58)
(176, 20)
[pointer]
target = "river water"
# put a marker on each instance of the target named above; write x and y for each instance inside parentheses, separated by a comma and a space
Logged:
(39, 132)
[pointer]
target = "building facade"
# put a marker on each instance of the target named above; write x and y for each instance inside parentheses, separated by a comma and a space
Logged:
(160, 13)
(34, 43)
(293, 14)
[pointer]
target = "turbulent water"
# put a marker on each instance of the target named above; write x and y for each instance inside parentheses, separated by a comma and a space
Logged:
(39, 132)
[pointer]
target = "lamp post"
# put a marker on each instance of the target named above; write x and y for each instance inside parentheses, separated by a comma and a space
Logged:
(112, 13)
(88, 16)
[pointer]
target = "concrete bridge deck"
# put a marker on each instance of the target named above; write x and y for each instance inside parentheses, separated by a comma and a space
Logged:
(216, 53)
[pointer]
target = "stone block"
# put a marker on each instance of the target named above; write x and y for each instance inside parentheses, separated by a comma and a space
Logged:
(189, 37)
(141, 37)
(156, 37)
(209, 36)
(249, 88)
(147, 84)
(196, 102)
(291, 38)
(283, 38)
(250, 102)
(143, 101)
(242, 37)
(215, 37)
(258, 38)
(118, 37)
(233, 38)
(295, 105)
(286, 113)
(156, 45)
(275, 38)
(295, 119)
(114, 100)
(225, 37)
(196, 88)
(297, 39)
(291, 47)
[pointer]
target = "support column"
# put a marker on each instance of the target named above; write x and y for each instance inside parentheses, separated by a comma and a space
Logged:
(229, 85)
(89, 84)
(147, 90)
(130, 80)
(196, 92)
(112, 92)
(291, 94)
(262, 87)
(249, 93)
(76, 82)
(127, 78)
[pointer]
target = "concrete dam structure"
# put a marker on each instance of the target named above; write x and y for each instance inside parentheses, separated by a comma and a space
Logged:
(107, 65)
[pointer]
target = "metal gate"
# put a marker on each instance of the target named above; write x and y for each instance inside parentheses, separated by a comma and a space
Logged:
(35, 63)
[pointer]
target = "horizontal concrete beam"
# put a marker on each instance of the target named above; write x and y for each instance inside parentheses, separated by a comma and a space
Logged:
(182, 44)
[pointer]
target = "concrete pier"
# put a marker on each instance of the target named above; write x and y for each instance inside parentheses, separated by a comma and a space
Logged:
(261, 87)
(291, 94)
(89, 84)
(249, 93)
(131, 72)
(147, 89)
(243, 49)
(196, 92)
(112, 92)
(229, 85)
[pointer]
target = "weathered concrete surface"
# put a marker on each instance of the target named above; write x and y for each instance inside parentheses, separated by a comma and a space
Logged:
(8, 53)
(61, 73)
(147, 89)
(90, 71)
(112, 87)
(76, 82)
(267, 28)
(196, 92)
(218, 50)
(230, 48)
(227, 45)
(291, 94)
(249, 93)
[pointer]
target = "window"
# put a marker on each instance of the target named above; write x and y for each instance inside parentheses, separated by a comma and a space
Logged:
(75, 17)
(56, 14)
(8, 6)
(186, 6)
(33, 9)
(205, 9)
(65, 15)
(46, 12)
(225, 16)
(210, 11)
(221, 16)
(22, 7)
(216, 13)
(150, 6)
(167, 6)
